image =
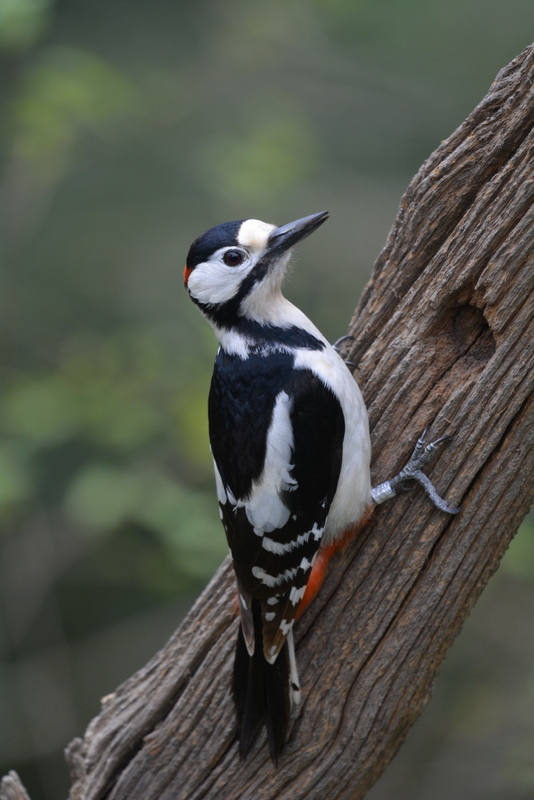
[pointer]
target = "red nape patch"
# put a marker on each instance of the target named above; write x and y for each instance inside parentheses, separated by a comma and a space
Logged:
(187, 273)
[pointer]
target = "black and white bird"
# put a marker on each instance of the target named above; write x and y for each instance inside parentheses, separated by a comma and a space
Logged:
(290, 441)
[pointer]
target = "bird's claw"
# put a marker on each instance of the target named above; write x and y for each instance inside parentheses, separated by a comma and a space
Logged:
(412, 471)
(337, 347)
(420, 457)
(337, 344)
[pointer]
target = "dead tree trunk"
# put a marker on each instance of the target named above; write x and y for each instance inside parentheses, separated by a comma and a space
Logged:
(443, 337)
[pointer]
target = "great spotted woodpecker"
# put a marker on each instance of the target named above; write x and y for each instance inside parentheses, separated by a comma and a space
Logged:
(290, 441)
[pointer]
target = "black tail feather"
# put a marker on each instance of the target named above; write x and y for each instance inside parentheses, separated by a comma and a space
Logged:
(278, 703)
(261, 692)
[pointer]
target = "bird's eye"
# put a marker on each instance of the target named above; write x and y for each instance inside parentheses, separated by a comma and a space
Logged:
(233, 258)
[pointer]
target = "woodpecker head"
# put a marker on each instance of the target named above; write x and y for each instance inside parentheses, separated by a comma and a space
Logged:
(234, 271)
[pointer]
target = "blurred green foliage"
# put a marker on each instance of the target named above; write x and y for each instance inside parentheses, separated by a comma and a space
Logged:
(107, 413)
(127, 129)
(22, 22)
(275, 153)
(65, 91)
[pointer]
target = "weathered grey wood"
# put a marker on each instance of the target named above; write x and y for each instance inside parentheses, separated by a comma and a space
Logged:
(443, 337)
(11, 788)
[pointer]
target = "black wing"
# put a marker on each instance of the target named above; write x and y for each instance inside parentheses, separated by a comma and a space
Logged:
(273, 560)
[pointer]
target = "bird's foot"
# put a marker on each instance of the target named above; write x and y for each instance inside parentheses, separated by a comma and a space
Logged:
(337, 347)
(337, 344)
(412, 471)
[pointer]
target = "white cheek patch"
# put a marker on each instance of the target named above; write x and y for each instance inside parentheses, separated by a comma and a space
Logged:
(213, 282)
(254, 234)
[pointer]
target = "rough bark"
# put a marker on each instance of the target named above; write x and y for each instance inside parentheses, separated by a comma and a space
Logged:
(11, 788)
(443, 337)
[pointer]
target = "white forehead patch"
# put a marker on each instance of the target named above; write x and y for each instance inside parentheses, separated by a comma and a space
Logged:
(254, 234)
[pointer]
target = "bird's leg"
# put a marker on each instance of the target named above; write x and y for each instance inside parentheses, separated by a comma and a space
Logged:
(413, 472)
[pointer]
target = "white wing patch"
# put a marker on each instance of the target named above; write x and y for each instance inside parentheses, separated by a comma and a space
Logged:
(280, 549)
(222, 497)
(305, 564)
(287, 547)
(264, 508)
(316, 530)
(272, 601)
(274, 580)
(296, 595)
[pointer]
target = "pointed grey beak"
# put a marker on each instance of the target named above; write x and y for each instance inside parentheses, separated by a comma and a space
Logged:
(284, 237)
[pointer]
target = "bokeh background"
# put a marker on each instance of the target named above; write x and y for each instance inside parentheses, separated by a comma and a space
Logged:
(127, 128)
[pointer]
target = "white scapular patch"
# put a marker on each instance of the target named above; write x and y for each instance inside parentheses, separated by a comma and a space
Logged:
(296, 595)
(270, 615)
(264, 508)
(272, 580)
(272, 601)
